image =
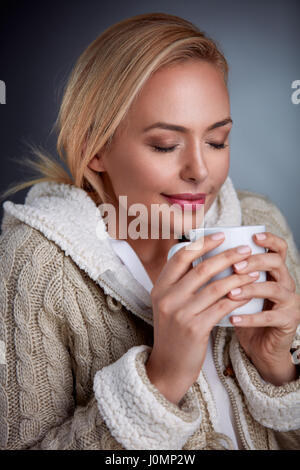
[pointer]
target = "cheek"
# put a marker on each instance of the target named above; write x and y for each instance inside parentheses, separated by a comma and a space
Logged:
(146, 173)
(218, 170)
(133, 176)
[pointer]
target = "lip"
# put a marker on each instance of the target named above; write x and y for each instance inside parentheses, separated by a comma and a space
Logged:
(186, 196)
(186, 201)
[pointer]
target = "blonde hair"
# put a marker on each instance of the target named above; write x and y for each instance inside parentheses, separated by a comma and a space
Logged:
(106, 79)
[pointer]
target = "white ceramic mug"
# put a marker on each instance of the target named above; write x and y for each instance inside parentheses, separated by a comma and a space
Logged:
(234, 237)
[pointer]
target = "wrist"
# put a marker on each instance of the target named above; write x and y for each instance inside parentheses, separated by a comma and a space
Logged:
(173, 390)
(278, 372)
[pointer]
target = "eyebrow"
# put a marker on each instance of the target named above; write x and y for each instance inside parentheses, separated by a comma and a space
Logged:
(185, 130)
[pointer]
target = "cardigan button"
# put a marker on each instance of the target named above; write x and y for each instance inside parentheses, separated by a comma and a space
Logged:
(229, 371)
(113, 304)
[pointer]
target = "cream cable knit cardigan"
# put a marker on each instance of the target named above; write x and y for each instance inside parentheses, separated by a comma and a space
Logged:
(76, 331)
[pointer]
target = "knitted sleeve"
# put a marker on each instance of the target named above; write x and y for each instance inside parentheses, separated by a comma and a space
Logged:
(275, 407)
(48, 339)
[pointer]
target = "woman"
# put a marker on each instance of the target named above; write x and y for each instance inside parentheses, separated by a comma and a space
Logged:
(105, 344)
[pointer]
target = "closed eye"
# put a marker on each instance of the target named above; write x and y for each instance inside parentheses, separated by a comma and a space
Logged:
(164, 149)
(218, 146)
(171, 149)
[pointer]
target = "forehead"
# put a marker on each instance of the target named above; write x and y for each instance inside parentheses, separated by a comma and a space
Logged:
(188, 93)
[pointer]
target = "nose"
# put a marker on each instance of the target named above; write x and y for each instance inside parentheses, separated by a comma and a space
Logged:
(194, 167)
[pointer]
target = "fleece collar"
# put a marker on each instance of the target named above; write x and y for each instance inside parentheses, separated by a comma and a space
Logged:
(67, 216)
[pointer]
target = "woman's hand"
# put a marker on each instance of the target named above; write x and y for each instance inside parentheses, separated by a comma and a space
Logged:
(183, 317)
(266, 337)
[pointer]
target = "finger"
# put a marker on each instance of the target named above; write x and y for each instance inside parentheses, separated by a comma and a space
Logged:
(181, 262)
(260, 262)
(210, 294)
(275, 318)
(204, 271)
(271, 262)
(273, 243)
(268, 290)
(283, 277)
(210, 317)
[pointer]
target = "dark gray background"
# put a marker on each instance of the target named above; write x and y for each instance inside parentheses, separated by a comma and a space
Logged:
(40, 41)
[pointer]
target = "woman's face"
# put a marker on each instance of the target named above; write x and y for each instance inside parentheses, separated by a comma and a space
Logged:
(193, 95)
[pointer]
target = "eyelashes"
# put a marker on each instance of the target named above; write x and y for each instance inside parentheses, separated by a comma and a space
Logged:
(171, 149)
(218, 146)
(163, 149)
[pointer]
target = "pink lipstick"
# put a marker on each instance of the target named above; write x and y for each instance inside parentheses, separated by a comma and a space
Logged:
(186, 200)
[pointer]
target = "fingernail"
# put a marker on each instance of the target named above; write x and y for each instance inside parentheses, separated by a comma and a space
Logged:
(240, 265)
(254, 274)
(260, 236)
(236, 319)
(244, 249)
(218, 236)
(236, 291)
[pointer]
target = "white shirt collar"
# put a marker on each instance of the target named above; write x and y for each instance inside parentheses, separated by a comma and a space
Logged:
(132, 261)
